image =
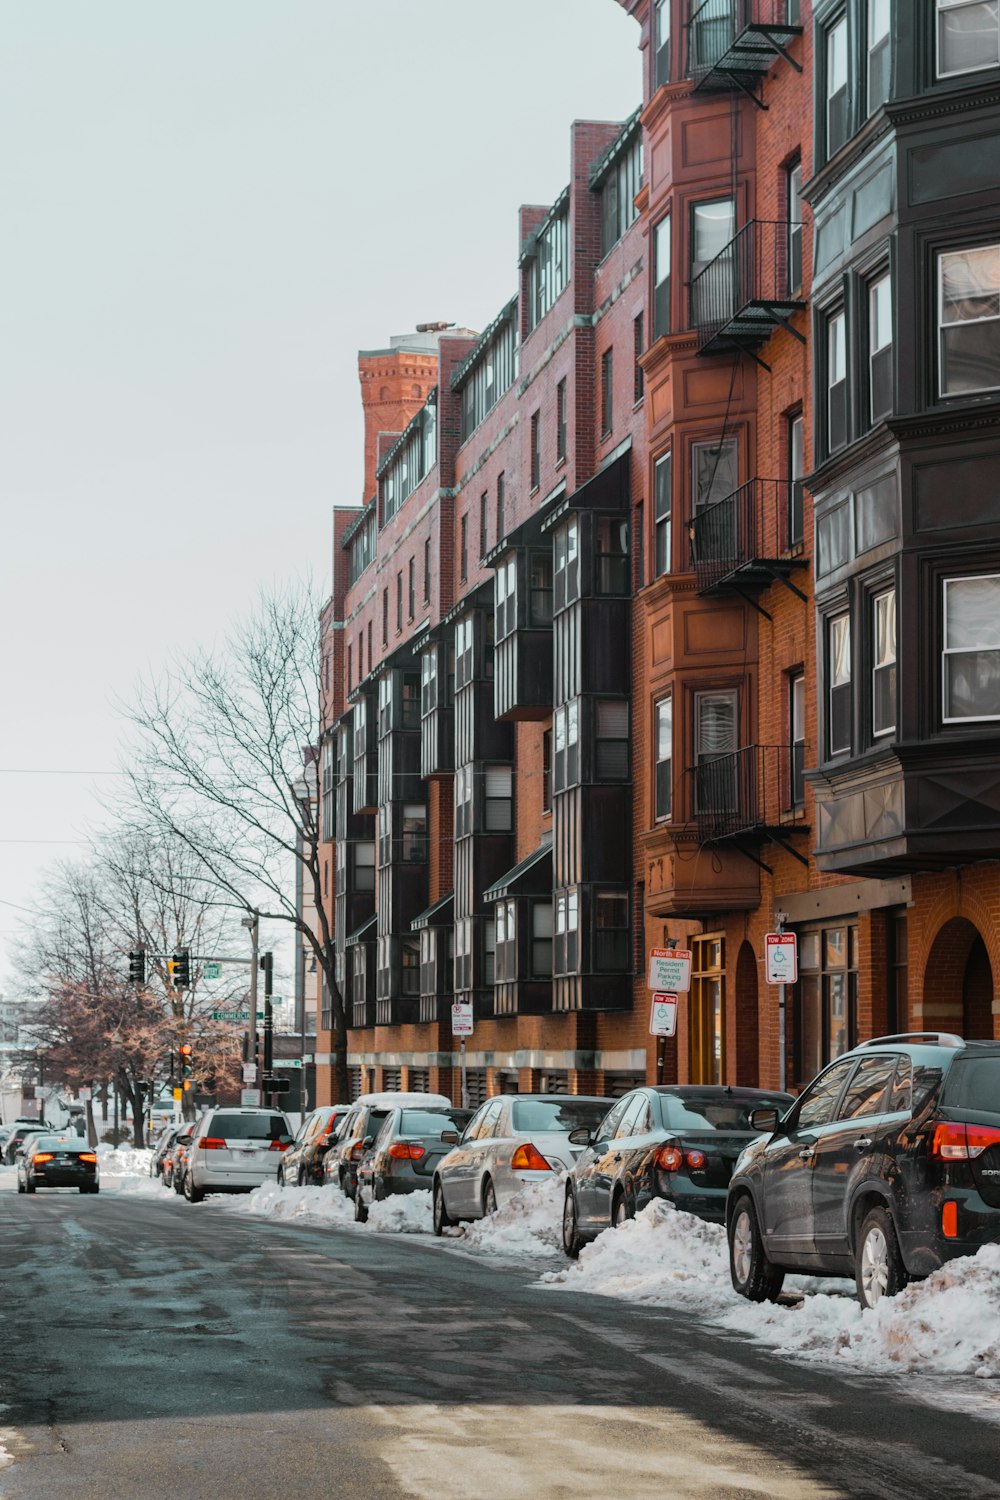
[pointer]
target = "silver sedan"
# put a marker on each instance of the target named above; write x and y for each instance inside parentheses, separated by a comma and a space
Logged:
(512, 1139)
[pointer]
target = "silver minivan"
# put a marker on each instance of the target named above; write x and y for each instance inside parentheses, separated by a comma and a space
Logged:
(235, 1150)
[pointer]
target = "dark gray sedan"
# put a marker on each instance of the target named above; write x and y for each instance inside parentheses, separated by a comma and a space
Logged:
(405, 1152)
(57, 1161)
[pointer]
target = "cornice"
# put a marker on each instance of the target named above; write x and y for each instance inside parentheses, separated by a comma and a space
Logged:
(666, 347)
(666, 95)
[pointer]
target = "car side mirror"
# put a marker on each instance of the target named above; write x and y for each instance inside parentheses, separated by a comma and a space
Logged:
(765, 1118)
(580, 1137)
(367, 1141)
(451, 1136)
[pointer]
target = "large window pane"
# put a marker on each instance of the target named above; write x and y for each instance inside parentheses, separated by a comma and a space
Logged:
(884, 663)
(971, 667)
(836, 86)
(968, 36)
(969, 314)
(664, 757)
(839, 680)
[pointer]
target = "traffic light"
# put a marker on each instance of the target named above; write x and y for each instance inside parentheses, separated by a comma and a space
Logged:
(137, 966)
(186, 1051)
(267, 969)
(179, 969)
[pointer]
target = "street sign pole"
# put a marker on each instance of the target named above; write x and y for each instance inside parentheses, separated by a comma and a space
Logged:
(253, 922)
(465, 1076)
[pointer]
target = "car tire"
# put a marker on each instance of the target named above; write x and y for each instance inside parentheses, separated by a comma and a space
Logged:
(29, 1187)
(303, 1178)
(192, 1194)
(360, 1211)
(752, 1274)
(280, 1179)
(878, 1266)
(20, 1187)
(621, 1210)
(571, 1241)
(95, 1189)
(442, 1218)
(489, 1198)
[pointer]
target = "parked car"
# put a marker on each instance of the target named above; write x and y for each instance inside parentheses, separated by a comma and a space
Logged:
(234, 1151)
(175, 1161)
(886, 1167)
(358, 1130)
(57, 1161)
(161, 1150)
(21, 1135)
(303, 1161)
(404, 1154)
(509, 1141)
(679, 1142)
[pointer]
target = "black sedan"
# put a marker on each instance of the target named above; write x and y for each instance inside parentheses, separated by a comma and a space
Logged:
(678, 1142)
(57, 1161)
(302, 1163)
(405, 1153)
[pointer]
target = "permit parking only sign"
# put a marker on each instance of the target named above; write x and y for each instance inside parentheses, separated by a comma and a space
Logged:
(669, 970)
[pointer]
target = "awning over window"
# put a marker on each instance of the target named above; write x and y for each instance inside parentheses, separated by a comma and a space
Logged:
(531, 877)
(437, 915)
(365, 933)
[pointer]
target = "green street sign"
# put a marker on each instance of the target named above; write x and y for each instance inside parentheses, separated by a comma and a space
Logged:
(230, 1015)
(213, 971)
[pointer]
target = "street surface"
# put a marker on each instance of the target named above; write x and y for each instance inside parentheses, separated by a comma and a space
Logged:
(154, 1350)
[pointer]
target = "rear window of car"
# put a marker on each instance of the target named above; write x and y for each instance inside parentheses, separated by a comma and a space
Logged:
(558, 1114)
(973, 1083)
(426, 1122)
(730, 1112)
(53, 1142)
(250, 1128)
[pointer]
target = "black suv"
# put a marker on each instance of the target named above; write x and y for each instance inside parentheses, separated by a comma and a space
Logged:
(885, 1167)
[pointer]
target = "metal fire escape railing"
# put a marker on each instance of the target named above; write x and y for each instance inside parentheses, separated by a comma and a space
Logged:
(738, 542)
(746, 292)
(748, 795)
(734, 43)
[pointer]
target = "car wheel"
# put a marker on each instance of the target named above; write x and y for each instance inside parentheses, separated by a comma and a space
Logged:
(192, 1194)
(878, 1269)
(621, 1211)
(178, 1184)
(572, 1243)
(95, 1189)
(360, 1211)
(489, 1199)
(20, 1186)
(753, 1275)
(29, 1186)
(442, 1218)
(303, 1178)
(280, 1179)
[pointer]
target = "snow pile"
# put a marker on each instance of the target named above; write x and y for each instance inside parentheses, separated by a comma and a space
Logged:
(948, 1324)
(529, 1223)
(123, 1161)
(402, 1213)
(315, 1205)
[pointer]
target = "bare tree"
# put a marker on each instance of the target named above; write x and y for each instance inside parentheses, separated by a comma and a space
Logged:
(226, 761)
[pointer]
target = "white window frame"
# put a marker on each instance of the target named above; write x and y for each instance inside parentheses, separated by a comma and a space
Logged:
(838, 30)
(874, 288)
(874, 40)
(958, 322)
(663, 719)
(664, 521)
(886, 665)
(942, 7)
(947, 651)
(833, 626)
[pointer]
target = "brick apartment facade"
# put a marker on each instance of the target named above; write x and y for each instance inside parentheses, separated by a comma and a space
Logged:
(583, 693)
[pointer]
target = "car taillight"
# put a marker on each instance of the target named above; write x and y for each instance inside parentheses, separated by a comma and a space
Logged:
(279, 1145)
(528, 1158)
(208, 1143)
(357, 1151)
(670, 1157)
(695, 1160)
(957, 1142)
(324, 1139)
(88, 1155)
(405, 1151)
(44, 1156)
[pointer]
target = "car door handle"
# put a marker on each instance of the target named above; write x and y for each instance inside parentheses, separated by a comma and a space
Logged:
(863, 1143)
(807, 1153)
(617, 1156)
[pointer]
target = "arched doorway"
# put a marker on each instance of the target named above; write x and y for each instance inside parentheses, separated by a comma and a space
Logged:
(958, 982)
(747, 1019)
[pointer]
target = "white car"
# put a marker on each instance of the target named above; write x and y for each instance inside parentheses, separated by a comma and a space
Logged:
(234, 1150)
(511, 1140)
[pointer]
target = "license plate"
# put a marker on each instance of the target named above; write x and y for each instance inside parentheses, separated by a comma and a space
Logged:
(249, 1152)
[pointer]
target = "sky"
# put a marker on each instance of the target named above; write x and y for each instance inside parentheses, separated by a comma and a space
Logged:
(208, 207)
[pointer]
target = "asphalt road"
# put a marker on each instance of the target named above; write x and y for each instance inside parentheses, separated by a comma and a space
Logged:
(156, 1350)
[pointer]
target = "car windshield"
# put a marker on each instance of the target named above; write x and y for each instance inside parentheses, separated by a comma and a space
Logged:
(558, 1114)
(426, 1122)
(725, 1112)
(973, 1083)
(250, 1128)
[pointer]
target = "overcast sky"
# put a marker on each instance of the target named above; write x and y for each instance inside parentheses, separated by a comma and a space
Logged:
(208, 208)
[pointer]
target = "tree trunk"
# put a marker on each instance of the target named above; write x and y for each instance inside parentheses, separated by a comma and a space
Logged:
(91, 1127)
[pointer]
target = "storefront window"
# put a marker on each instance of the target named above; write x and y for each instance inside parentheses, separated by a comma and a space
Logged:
(827, 995)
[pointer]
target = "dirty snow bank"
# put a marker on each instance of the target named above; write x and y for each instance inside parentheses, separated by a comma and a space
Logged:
(403, 1213)
(948, 1324)
(529, 1223)
(315, 1205)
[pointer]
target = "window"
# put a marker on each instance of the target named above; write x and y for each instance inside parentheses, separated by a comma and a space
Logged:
(540, 588)
(361, 656)
(566, 564)
(661, 520)
(385, 617)
(490, 370)
(713, 227)
(664, 758)
(350, 668)
(793, 203)
(836, 371)
(484, 502)
(501, 518)
(506, 941)
(714, 472)
(707, 1020)
(661, 278)
(611, 556)
(638, 377)
(566, 731)
(408, 463)
(662, 42)
(884, 663)
(369, 634)
(567, 940)
(866, 1092)
(399, 601)
(464, 652)
(880, 347)
(611, 946)
(971, 658)
(618, 188)
(498, 799)
(429, 681)
(541, 940)
(969, 320)
(536, 452)
(362, 546)
(879, 53)
(968, 36)
(611, 759)
(560, 421)
(409, 979)
(427, 570)
(796, 473)
(547, 770)
(411, 591)
(463, 547)
(716, 743)
(364, 867)
(819, 1103)
(505, 597)
(797, 736)
(827, 996)
(607, 393)
(413, 847)
(838, 676)
(836, 86)
(548, 267)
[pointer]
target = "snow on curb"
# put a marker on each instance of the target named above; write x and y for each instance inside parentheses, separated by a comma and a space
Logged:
(529, 1223)
(403, 1213)
(317, 1205)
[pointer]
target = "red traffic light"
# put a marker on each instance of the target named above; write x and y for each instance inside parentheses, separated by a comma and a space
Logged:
(186, 1049)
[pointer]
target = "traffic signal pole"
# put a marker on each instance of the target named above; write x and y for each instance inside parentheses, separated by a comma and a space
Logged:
(253, 922)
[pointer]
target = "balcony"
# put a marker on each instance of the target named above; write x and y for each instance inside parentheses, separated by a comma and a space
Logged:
(747, 795)
(742, 296)
(737, 542)
(735, 43)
